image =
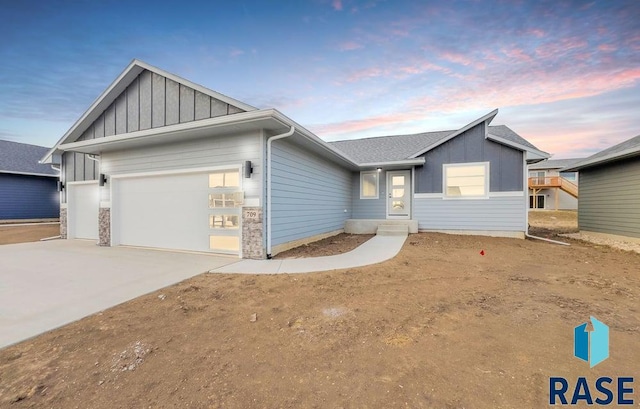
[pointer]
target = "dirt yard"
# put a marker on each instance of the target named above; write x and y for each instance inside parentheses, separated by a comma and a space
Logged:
(547, 223)
(439, 326)
(338, 244)
(22, 234)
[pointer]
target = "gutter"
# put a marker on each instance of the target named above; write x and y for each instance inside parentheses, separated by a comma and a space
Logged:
(269, 170)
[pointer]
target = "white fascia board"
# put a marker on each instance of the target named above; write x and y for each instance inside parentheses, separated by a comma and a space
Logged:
(488, 117)
(313, 138)
(404, 162)
(29, 174)
(608, 158)
(154, 132)
(532, 154)
(117, 87)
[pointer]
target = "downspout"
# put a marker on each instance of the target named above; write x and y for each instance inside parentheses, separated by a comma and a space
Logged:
(269, 141)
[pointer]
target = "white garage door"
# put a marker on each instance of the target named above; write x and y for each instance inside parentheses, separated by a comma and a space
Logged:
(197, 212)
(83, 200)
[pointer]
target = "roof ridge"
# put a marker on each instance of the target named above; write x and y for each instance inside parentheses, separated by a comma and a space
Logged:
(391, 136)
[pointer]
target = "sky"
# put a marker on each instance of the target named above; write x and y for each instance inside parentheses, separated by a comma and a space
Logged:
(564, 74)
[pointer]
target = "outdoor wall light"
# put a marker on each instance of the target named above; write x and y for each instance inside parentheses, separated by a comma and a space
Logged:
(248, 169)
(60, 186)
(103, 179)
(379, 169)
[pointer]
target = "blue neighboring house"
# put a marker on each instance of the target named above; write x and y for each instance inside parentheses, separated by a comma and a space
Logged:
(28, 189)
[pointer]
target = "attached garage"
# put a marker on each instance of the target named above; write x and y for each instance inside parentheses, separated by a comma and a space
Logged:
(192, 210)
(83, 200)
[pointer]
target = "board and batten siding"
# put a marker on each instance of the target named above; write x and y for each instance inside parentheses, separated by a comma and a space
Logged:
(369, 208)
(505, 163)
(219, 151)
(609, 200)
(503, 213)
(28, 197)
(309, 194)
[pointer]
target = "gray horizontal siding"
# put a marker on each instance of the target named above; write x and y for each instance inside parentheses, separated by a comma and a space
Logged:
(28, 197)
(493, 214)
(609, 200)
(506, 164)
(309, 194)
(369, 208)
(230, 150)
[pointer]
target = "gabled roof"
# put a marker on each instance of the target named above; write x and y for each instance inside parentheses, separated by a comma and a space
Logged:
(120, 85)
(404, 147)
(555, 163)
(623, 150)
(22, 159)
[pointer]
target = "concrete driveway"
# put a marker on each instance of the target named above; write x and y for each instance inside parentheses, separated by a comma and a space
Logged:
(45, 285)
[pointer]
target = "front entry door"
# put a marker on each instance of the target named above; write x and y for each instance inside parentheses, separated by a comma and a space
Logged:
(399, 194)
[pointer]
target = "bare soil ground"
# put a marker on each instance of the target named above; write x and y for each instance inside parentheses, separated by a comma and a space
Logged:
(22, 234)
(330, 246)
(439, 326)
(547, 223)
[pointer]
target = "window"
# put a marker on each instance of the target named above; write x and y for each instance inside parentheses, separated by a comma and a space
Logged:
(572, 176)
(369, 181)
(227, 178)
(466, 180)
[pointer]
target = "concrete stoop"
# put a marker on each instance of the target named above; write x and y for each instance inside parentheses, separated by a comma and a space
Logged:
(371, 226)
(392, 230)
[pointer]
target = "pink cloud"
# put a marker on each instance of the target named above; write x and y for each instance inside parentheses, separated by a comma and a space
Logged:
(337, 5)
(349, 46)
(560, 48)
(516, 54)
(536, 32)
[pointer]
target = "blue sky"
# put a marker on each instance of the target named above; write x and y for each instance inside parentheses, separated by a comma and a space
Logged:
(565, 74)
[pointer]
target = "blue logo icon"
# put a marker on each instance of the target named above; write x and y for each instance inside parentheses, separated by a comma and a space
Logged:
(592, 347)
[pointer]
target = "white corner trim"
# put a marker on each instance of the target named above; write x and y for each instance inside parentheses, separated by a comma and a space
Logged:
(105, 205)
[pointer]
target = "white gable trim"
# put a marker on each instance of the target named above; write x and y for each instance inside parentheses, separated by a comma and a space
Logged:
(488, 118)
(531, 154)
(118, 86)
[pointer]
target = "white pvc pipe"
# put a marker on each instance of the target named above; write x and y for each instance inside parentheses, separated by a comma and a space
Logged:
(269, 142)
(543, 239)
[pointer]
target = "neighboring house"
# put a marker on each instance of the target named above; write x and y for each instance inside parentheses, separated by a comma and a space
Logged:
(552, 188)
(28, 189)
(158, 161)
(609, 200)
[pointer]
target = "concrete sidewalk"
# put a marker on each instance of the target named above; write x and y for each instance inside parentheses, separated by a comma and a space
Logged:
(375, 250)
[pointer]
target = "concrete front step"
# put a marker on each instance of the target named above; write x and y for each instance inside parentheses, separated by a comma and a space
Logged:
(392, 230)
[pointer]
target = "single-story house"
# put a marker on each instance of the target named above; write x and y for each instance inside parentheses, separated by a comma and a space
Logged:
(159, 161)
(28, 189)
(550, 188)
(609, 200)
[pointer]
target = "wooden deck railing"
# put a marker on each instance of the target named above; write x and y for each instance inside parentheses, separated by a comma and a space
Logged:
(539, 182)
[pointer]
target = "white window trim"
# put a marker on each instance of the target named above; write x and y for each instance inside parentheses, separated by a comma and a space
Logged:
(445, 166)
(367, 172)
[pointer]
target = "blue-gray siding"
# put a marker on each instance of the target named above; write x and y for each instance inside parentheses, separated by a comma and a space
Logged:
(369, 208)
(471, 146)
(309, 194)
(493, 214)
(220, 151)
(28, 197)
(609, 200)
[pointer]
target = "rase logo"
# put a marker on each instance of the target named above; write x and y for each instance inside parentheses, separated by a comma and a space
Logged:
(591, 347)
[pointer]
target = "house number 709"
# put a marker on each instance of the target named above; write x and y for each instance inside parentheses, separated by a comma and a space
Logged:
(252, 214)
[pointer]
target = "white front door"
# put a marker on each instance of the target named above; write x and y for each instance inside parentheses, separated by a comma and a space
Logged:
(399, 194)
(83, 201)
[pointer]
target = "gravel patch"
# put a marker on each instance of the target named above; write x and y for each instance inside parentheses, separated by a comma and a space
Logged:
(619, 244)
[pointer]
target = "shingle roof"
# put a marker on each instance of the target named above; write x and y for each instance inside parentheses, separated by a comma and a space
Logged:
(628, 148)
(399, 147)
(18, 157)
(555, 163)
